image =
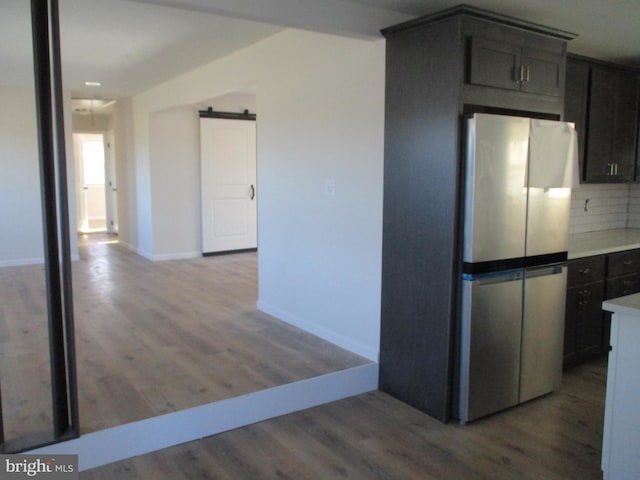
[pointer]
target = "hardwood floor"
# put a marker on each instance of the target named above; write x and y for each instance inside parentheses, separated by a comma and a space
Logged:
(373, 436)
(152, 338)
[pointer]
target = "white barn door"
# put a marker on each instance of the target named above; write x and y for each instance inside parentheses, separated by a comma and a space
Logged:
(228, 179)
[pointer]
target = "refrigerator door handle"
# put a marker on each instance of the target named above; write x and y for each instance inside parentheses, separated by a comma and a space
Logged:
(494, 278)
(545, 271)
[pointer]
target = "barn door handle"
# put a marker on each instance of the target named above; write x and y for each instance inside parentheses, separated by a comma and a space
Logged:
(253, 192)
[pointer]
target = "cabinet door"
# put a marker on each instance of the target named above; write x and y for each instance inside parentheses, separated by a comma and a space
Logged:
(623, 263)
(622, 286)
(544, 72)
(576, 95)
(495, 64)
(591, 324)
(584, 326)
(611, 132)
(572, 312)
(636, 175)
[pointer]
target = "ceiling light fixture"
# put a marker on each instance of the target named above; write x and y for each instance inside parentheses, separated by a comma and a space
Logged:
(92, 84)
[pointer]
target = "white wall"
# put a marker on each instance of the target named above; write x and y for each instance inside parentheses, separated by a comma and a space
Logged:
(175, 178)
(321, 117)
(320, 104)
(91, 123)
(122, 123)
(20, 209)
(232, 102)
(191, 89)
(21, 240)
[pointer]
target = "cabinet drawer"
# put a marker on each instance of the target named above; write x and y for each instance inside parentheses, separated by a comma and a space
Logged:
(621, 286)
(585, 270)
(623, 263)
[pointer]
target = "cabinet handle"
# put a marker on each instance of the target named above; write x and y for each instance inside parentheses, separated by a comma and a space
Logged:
(581, 297)
(584, 271)
(628, 263)
(526, 79)
(616, 168)
(523, 73)
(584, 297)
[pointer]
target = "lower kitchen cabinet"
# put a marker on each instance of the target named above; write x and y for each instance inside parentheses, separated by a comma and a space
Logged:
(590, 281)
(584, 325)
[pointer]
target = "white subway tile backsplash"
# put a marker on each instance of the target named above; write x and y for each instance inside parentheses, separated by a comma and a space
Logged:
(603, 207)
(634, 206)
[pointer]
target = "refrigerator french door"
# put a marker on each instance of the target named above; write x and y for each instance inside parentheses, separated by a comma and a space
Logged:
(517, 200)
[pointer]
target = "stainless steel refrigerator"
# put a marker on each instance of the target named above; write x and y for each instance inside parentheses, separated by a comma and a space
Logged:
(519, 173)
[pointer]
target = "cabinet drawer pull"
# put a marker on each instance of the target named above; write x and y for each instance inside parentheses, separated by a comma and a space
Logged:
(627, 263)
(584, 271)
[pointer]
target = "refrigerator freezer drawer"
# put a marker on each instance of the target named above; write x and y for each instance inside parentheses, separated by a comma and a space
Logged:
(490, 344)
(542, 330)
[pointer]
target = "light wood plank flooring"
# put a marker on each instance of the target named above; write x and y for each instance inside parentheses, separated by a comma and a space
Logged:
(152, 338)
(373, 436)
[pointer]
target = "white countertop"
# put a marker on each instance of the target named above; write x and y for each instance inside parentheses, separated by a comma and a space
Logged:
(629, 305)
(606, 241)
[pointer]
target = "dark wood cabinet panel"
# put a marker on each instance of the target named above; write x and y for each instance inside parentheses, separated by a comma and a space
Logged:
(592, 321)
(603, 102)
(611, 129)
(623, 263)
(571, 318)
(586, 270)
(575, 102)
(544, 72)
(636, 175)
(621, 286)
(589, 329)
(495, 63)
(590, 281)
(584, 321)
(434, 78)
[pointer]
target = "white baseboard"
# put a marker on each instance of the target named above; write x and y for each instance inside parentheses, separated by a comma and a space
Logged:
(162, 257)
(21, 262)
(176, 256)
(149, 435)
(325, 334)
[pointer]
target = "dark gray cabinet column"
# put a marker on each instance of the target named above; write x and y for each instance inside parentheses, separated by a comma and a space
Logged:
(429, 87)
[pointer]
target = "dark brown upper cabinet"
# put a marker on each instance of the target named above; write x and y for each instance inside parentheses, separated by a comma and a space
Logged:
(495, 63)
(602, 100)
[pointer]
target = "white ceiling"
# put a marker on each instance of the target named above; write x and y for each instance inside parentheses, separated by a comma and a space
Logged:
(132, 45)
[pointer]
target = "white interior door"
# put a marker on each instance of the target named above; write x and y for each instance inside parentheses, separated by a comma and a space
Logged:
(228, 178)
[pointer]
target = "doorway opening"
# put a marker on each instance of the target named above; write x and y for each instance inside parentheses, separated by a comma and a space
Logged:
(95, 183)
